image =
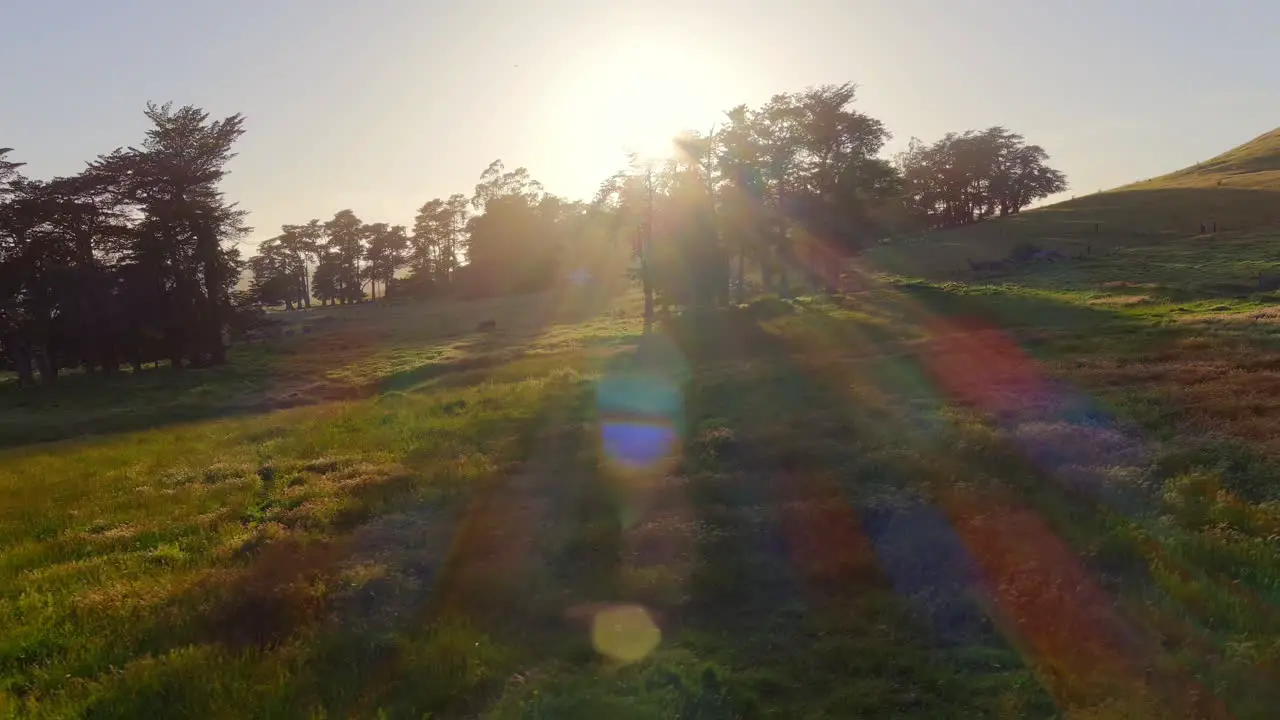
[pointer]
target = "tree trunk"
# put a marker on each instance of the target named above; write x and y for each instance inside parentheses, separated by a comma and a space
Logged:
(211, 332)
(174, 343)
(742, 271)
(22, 363)
(648, 292)
(784, 281)
(46, 366)
(110, 362)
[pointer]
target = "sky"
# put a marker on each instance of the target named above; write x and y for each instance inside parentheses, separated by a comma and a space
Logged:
(381, 105)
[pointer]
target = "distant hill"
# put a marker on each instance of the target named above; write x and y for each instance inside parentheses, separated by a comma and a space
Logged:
(1253, 165)
(1238, 190)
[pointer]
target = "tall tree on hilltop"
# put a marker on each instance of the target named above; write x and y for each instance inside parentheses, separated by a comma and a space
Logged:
(386, 254)
(29, 280)
(439, 231)
(511, 244)
(741, 160)
(300, 243)
(345, 247)
(275, 280)
(967, 177)
(496, 183)
(630, 197)
(187, 227)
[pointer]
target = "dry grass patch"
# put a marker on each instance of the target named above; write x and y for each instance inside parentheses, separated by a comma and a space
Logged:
(1121, 300)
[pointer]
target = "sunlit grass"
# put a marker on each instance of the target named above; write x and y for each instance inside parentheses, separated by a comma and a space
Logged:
(927, 500)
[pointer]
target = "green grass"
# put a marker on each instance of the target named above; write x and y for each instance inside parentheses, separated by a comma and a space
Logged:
(1036, 498)
(347, 352)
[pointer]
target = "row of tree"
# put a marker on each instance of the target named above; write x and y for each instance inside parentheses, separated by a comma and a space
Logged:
(789, 187)
(131, 260)
(134, 259)
(511, 232)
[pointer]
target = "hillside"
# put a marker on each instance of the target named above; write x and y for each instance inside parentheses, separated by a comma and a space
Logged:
(1254, 165)
(1236, 191)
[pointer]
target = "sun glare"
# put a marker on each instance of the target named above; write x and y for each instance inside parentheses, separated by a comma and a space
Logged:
(651, 95)
(637, 99)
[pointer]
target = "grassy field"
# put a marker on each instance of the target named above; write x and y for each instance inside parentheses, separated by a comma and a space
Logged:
(1054, 493)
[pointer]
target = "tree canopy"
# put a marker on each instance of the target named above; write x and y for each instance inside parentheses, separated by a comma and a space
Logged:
(132, 259)
(135, 259)
(967, 177)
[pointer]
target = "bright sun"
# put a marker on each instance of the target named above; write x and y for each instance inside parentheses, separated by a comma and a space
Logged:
(637, 99)
(650, 97)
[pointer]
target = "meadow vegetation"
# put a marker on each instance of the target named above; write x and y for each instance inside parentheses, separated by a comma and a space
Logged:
(1031, 499)
(1042, 484)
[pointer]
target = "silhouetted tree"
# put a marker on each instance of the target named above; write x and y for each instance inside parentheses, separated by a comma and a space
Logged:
(186, 226)
(131, 258)
(386, 254)
(134, 259)
(439, 235)
(967, 177)
(345, 247)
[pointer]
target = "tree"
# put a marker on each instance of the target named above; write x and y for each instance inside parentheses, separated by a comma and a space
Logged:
(133, 257)
(345, 247)
(275, 273)
(8, 168)
(632, 198)
(326, 283)
(495, 183)
(439, 234)
(300, 245)
(513, 244)
(386, 254)
(967, 177)
(186, 225)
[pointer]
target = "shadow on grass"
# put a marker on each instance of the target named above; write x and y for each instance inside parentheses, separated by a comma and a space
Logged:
(401, 604)
(92, 407)
(290, 372)
(823, 583)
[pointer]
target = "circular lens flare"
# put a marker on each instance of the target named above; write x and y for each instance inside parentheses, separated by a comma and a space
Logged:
(636, 444)
(639, 415)
(625, 633)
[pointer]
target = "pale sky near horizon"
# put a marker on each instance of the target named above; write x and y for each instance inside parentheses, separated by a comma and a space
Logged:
(381, 105)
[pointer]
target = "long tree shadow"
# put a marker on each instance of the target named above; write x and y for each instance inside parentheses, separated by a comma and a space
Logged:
(846, 497)
(292, 371)
(822, 555)
(409, 604)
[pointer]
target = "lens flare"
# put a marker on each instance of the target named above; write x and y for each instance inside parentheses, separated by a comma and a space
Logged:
(625, 633)
(640, 415)
(636, 445)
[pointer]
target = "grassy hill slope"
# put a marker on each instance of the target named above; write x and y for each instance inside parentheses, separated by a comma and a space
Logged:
(1255, 165)
(1238, 190)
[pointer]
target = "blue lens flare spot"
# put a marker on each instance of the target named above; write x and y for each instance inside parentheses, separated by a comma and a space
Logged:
(637, 444)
